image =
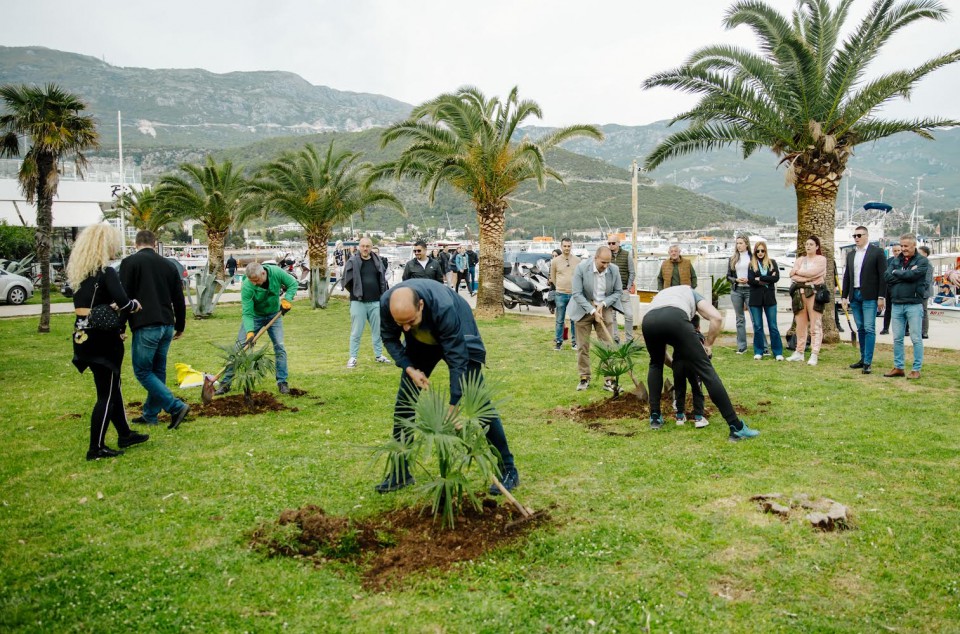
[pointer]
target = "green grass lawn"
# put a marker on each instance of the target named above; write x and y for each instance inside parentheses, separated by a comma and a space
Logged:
(656, 526)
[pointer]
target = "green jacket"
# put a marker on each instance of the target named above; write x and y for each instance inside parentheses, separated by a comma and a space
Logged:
(260, 301)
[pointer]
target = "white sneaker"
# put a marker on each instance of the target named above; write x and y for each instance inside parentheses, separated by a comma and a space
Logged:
(813, 360)
(383, 359)
(352, 362)
(779, 357)
(796, 356)
(757, 357)
(700, 422)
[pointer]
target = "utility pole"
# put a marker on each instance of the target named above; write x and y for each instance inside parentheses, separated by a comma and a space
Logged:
(633, 200)
(123, 224)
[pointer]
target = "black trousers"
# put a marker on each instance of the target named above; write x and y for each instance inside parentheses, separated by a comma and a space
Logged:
(887, 312)
(425, 358)
(108, 408)
(683, 373)
(669, 326)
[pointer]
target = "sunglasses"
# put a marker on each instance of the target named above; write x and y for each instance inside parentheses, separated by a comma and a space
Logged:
(612, 243)
(759, 251)
(858, 235)
(418, 250)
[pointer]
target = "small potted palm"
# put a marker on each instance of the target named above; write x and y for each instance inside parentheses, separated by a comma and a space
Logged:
(250, 366)
(445, 444)
(617, 361)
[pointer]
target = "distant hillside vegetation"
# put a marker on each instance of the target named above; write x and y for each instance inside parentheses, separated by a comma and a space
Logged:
(596, 193)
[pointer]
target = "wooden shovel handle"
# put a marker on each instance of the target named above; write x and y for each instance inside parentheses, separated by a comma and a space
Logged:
(520, 507)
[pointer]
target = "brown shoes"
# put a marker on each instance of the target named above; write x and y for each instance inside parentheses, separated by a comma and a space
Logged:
(896, 372)
(913, 375)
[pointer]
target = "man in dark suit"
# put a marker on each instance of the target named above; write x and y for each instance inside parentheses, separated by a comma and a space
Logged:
(421, 266)
(436, 324)
(864, 289)
(153, 280)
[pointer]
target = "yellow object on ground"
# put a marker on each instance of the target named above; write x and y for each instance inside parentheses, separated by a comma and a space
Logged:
(187, 376)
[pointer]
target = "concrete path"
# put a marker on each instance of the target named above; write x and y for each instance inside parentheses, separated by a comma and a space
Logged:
(943, 334)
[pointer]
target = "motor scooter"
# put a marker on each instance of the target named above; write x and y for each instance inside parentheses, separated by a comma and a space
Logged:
(520, 290)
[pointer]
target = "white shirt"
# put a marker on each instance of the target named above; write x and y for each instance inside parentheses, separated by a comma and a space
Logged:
(742, 265)
(600, 285)
(858, 265)
(424, 262)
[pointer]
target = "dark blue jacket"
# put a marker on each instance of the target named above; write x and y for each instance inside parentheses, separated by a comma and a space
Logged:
(448, 318)
(907, 279)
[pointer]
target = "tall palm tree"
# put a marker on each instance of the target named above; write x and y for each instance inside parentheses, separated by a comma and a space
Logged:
(52, 123)
(317, 191)
(142, 209)
(213, 194)
(465, 140)
(805, 96)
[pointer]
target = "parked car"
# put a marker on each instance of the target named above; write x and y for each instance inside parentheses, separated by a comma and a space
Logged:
(14, 289)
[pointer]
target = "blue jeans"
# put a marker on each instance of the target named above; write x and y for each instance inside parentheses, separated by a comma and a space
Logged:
(865, 316)
(149, 358)
(740, 298)
(562, 300)
(279, 352)
(904, 315)
(759, 342)
(360, 314)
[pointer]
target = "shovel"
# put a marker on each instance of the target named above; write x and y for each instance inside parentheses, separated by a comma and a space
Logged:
(206, 395)
(526, 513)
(853, 331)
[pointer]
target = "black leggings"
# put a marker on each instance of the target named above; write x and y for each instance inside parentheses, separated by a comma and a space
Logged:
(109, 406)
(671, 326)
(462, 277)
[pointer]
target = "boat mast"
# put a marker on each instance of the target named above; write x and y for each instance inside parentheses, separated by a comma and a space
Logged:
(123, 224)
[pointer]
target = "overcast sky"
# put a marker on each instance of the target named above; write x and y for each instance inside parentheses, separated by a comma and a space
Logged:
(582, 61)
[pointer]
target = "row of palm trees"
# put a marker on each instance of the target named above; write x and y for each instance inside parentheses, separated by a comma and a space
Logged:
(805, 95)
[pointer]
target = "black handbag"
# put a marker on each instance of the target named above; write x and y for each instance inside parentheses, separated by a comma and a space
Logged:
(823, 295)
(102, 316)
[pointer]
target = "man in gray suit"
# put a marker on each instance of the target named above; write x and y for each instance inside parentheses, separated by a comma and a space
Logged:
(596, 294)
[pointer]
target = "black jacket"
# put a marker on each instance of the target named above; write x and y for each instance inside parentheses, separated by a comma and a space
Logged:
(413, 271)
(907, 279)
(763, 288)
(873, 283)
(150, 278)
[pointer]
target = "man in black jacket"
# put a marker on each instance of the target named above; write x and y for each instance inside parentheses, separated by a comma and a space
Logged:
(864, 288)
(154, 282)
(907, 278)
(421, 265)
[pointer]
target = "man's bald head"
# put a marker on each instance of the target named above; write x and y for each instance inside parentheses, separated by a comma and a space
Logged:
(406, 307)
(602, 258)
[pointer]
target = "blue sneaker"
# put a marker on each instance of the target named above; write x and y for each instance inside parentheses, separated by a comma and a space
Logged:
(656, 421)
(511, 480)
(744, 433)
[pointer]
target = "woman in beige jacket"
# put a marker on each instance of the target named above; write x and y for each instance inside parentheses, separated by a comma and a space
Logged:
(808, 274)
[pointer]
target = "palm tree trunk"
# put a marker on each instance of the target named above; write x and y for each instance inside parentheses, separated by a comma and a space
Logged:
(816, 215)
(215, 242)
(319, 276)
(43, 239)
(492, 220)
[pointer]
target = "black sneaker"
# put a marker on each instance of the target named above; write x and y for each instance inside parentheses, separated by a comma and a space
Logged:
(511, 480)
(866, 369)
(283, 388)
(583, 384)
(656, 421)
(391, 484)
(223, 389)
(557, 345)
(103, 452)
(857, 365)
(140, 420)
(176, 419)
(134, 438)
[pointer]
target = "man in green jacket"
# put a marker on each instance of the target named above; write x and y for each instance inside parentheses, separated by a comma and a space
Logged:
(266, 291)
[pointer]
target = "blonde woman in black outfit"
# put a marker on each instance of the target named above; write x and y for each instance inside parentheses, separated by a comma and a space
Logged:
(763, 277)
(101, 350)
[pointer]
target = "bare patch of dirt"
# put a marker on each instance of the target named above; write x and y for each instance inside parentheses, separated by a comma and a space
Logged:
(235, 405)
(297, 392)
(226, 405)
(390, 546)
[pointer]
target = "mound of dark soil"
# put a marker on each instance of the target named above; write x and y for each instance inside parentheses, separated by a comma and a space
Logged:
(235, 405)
(390, 546)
